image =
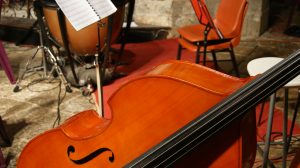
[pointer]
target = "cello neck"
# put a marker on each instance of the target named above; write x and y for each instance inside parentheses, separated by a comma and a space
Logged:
(220, 116)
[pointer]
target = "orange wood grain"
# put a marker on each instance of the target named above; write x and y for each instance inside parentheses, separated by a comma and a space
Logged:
(146, 111)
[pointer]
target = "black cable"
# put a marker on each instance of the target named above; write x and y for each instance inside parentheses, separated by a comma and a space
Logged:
(36, 81)
(59, 97)
(59, 101)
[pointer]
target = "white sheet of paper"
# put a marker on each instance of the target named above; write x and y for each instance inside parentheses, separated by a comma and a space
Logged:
(103, 8)
(82, 13)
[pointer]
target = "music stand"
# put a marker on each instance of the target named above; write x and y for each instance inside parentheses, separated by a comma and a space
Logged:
(207, 21)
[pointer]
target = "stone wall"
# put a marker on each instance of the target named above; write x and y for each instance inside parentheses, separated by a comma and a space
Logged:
(177, 13)
(173, 14)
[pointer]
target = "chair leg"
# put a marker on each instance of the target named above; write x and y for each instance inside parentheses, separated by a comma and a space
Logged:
(206, 31)
(179, 52)
(235, 66)
(204, 54)
(197, 61)
(261, 112)
(215, 60)
(269, 131)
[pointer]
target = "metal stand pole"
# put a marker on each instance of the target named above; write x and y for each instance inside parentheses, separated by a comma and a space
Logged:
(284, 127)
(269, 130)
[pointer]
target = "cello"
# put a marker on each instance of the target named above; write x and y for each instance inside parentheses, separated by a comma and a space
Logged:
(143, 116)
(165, 120)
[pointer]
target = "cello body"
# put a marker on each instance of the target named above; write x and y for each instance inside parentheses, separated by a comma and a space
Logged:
(145, 112)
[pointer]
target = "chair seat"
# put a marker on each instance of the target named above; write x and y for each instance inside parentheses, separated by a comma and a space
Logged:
(195, 33)
(192, 47)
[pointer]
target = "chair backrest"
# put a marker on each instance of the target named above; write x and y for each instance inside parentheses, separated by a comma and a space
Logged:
(230, 17)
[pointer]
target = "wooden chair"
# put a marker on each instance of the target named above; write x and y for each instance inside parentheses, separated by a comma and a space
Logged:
(214, 35)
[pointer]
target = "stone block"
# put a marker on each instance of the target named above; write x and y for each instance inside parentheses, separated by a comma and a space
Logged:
(177, 13)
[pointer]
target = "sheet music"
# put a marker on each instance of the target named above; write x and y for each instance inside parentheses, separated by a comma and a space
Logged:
(103, 8)
(82, 13)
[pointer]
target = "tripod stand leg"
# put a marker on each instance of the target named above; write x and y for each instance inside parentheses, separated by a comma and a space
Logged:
(27, 70)
(45, 46)
(58, 70)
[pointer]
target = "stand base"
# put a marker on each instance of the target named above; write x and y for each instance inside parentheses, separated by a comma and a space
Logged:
(55, 69)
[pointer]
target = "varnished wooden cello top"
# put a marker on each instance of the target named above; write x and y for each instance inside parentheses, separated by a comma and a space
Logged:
(202, 77)
(146, 111)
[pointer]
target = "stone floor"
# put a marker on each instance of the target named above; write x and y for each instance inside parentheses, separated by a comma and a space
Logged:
(33, 110)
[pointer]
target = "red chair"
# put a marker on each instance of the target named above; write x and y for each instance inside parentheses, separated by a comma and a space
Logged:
(214, 35)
